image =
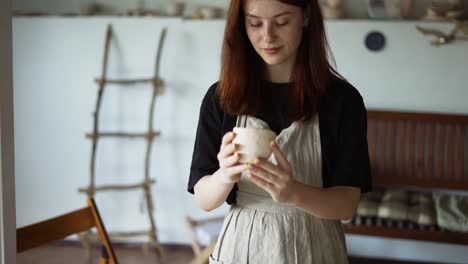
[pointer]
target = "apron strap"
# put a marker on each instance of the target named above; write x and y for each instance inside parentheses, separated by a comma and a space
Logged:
(241, 121)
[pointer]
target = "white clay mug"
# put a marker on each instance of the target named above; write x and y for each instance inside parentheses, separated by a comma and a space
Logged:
(252, 143)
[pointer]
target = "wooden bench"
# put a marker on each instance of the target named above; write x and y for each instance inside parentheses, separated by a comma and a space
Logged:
(417, 150)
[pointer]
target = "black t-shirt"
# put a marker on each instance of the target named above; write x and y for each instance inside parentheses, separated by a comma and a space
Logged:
(343, 134)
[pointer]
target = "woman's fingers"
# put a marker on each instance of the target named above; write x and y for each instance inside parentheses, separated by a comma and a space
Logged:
(231, 170)
(229, 161)
(227, 139)
(226, 152)
(264, 175)
(227, 147)
(262, 183)
(267, 166)
(235, 170)
(280, 158)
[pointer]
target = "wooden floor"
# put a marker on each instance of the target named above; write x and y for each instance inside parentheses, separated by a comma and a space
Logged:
(73, 253)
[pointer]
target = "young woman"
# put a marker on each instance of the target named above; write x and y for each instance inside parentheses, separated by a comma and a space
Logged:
(275, 74)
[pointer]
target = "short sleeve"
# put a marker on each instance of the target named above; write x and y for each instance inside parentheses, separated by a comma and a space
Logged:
(352, 165)
(207, 142)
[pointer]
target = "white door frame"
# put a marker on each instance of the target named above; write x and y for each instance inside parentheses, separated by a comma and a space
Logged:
(7, 175)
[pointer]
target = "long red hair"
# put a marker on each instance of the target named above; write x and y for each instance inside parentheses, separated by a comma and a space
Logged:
(241, 84)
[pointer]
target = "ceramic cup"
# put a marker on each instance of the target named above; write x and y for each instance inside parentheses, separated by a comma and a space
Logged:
(253, 143)
(209, 12)
(175, 9)
(89, 9)
(334, 3)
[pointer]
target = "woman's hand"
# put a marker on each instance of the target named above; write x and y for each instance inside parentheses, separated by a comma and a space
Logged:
(275, 179)
(230, 170)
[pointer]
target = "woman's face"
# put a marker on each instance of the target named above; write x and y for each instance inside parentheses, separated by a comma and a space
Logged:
(274, 29)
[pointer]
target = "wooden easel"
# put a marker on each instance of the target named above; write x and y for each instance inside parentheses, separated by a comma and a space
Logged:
(201, 254)
(149, 136)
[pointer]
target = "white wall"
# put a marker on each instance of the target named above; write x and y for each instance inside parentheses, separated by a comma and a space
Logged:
(410, 74)
(56, 59)
(7, 175)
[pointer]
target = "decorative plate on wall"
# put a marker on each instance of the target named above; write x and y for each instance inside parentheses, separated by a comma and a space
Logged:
(375, 41)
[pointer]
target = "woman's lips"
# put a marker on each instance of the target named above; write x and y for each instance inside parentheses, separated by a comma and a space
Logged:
(272, 50)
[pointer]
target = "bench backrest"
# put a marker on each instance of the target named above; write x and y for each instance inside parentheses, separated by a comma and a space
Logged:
(419, 149)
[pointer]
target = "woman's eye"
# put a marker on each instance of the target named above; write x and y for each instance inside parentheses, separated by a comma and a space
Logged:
(282, 23)
(255, 24)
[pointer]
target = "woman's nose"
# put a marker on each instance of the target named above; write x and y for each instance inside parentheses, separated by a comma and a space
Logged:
(269, 33)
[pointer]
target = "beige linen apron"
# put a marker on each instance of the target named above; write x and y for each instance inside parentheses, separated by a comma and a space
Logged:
(258, 230)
